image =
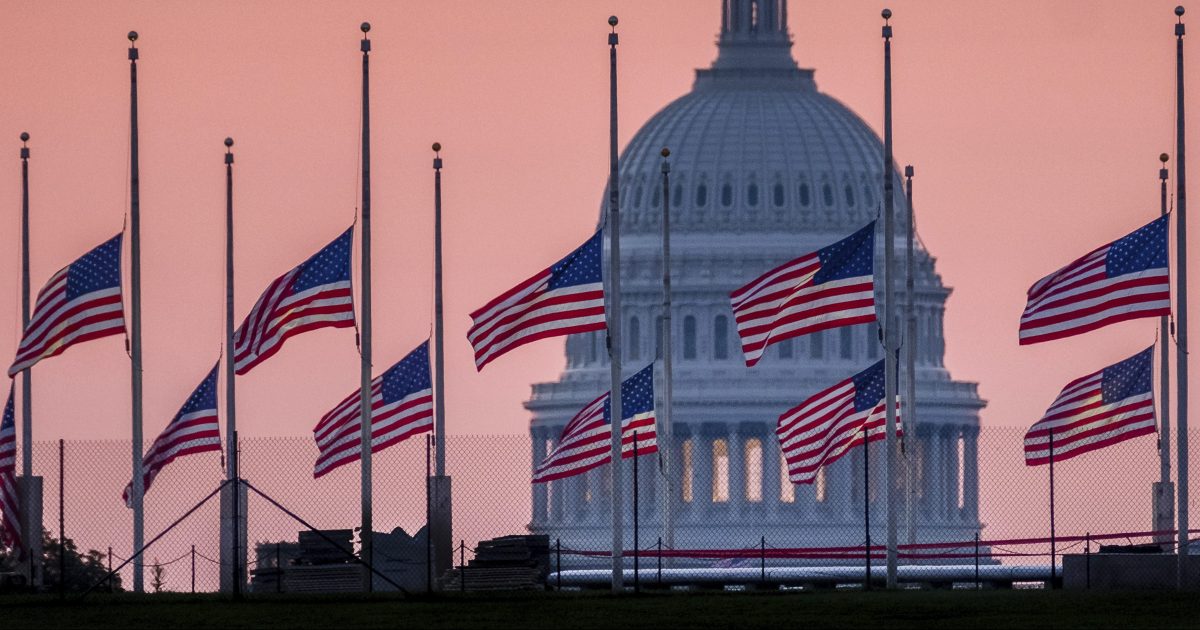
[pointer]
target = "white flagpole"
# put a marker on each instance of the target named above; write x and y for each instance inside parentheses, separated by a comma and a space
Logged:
(614, 323)
(365, 533)
(1181, 308)
(891, 456)
(668, 504)
(135, 315)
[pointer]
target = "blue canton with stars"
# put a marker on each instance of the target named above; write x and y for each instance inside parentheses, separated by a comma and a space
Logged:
(637, 395)
(409, 376)
(868, 387)
(205, 396)
(1145, 249)
(331, 264)
(850, 257)
(1130, 377)
(95, 270)
(581, 266)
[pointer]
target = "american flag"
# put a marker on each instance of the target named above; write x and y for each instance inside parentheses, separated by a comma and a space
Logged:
(1125, 279)
(10, 511)
(401, 407)
(195, 429)
(565, 299)
(80, 303)
(314, 295)
(585, 442)
(1097, 410)
(825, 427)
(828, 288)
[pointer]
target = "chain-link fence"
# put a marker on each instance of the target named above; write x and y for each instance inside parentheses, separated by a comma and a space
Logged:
(716, 511)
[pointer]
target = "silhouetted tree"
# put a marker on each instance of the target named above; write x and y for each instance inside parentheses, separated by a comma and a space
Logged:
(83, 569)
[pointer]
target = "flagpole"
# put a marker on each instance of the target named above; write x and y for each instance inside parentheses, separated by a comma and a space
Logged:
(230, 406)
(235, 528)
(439, 410)
(135, 313)
(26, 374)
(668, 505)
(1181, 306)
(31, 519)
(614, 321)
(910, 357)
(1164, 498)
(366, 534)
(889, 236)
(440, 532)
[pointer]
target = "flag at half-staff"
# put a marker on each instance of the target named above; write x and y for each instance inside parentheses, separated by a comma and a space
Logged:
(820, 430)
(10, 512)
(1125, 279)
(829, 288)
(401, 407)
(565, 299)
(195, 429)
(315, 294)
(585, 440)
(1095, 411)
(80, 303)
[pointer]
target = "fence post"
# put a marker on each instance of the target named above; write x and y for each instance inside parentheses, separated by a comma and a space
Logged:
(558, 560)
(762, 560)
(193, 569)
(660, 557)
(110, 580)
(62, 545)
(278, 569)
(978, 584)
(462, 566)
(1087, 556)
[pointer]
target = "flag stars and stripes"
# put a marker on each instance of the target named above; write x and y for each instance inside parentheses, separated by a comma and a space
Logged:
(401, 407)
(194, 429)
(10, 512)
(1098, 410)
(79, 303)
(822, 429)
(585, 442)
(565, 299)
(314, 295)
(1123, 280)
(829, 288)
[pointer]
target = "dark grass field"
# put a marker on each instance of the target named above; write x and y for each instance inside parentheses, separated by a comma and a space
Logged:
(799, 610)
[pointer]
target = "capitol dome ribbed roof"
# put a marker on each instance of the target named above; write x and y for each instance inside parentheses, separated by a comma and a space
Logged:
(755, 147)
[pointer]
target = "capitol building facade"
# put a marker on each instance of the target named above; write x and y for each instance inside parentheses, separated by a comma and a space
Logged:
(764, 168)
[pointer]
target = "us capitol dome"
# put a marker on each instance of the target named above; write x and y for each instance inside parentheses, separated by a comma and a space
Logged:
(764, 168)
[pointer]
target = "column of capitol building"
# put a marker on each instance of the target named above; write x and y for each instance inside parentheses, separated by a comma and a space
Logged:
(764, 168)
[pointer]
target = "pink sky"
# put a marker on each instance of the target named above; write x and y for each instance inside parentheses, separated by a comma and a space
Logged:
(1034, 128)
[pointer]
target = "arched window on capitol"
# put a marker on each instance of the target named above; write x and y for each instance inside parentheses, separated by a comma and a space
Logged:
(721, 337)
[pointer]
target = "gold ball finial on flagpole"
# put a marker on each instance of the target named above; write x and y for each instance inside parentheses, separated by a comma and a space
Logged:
(665, 152)
(365, 27)
(133, 36)
(228, 143)
(612, 21)
(24, 136)
(1179, 10)
(887, 14)
(437, 147)
(1163, 158)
